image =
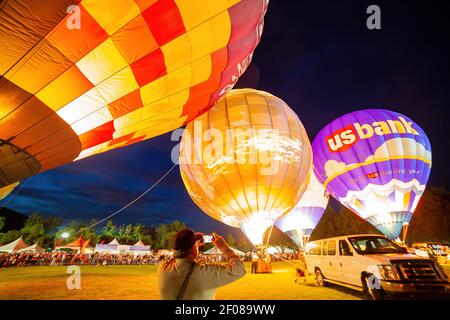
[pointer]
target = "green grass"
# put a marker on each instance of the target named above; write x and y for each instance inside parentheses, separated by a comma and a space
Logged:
(139, 282)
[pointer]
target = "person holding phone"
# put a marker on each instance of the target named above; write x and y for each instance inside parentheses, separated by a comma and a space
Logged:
(183, 278)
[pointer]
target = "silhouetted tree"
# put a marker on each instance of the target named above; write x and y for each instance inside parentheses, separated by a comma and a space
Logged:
(41, 229)
(431, 220)
(9, 236)
(2, 222)
(344, 222)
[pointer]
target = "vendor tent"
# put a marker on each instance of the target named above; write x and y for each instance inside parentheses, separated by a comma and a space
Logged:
(140, 248)
(33, 248)
(139, 244)
(14, 246)
(76, 245)
(114, 242)
(113, 247)
(215, 251)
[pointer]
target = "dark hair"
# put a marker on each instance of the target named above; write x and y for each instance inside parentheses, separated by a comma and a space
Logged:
(183, 242)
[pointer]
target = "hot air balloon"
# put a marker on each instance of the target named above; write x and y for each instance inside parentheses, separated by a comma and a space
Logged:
(5, 191)
(375, 162)
(246, 161)
(83, 77)
(299, 223)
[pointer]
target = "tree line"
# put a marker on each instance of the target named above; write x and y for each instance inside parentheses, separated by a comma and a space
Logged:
(49, 231)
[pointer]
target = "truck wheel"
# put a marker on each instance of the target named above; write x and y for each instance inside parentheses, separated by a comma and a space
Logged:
(320, 278)
(373, 293)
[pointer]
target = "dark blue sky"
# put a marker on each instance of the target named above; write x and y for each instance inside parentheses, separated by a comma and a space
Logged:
(321, 59)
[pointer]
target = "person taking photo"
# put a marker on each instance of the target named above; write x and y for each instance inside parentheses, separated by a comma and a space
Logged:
(184, 278)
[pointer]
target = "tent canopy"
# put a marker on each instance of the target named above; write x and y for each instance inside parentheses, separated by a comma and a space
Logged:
(139, 244)
(35, 247)
(14, 246)
(215, 251)
(114, 242)
(74, 245)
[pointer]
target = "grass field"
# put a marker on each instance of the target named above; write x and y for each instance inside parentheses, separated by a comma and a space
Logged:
(139, 282)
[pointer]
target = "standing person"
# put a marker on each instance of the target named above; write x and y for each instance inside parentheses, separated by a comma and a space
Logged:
(182, 278)
(301, 269)
(255, 259)
(269, 262)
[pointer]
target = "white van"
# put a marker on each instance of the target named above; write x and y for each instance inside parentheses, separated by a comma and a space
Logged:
(376, 265)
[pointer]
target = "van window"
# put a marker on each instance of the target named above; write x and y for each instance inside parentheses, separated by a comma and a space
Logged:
(324, 248)
(331, 247)
(375, 245)
(314, 249)
(344, 248)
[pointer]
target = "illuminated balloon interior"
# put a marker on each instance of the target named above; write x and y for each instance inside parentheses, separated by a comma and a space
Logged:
(303, 219)
(247, 161)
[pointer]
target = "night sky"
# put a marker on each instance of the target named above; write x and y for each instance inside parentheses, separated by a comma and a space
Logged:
(320, 58)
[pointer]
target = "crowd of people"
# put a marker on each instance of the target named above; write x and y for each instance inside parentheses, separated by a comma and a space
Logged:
(62, 258)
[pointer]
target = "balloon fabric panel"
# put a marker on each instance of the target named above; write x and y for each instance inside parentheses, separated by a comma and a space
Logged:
(131, 71)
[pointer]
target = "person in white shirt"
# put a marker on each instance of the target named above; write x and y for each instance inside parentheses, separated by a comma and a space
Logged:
(183, 278)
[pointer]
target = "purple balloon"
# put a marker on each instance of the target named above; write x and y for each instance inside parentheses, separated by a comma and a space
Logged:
(375, 162)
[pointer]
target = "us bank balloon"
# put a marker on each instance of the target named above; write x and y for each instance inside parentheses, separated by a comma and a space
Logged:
(377, 163)
(246, 161)
(300, 222)
(78, 78)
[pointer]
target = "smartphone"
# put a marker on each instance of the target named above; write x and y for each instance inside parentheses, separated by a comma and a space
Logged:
(207, 238)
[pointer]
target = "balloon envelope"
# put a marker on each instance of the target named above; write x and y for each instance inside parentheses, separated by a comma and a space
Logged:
(79, 78)
(303, 219)
(246, 161)
(377, 163)
(5, 191)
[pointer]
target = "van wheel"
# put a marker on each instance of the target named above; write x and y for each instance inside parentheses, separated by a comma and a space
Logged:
(320, 278)
(373, 293)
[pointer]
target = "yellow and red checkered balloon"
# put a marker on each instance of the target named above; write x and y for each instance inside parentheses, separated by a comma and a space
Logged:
(83, 77)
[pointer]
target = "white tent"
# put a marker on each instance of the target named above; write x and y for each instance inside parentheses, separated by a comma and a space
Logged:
(112, 247)
(33, 248)
(215, 251)
(140, 248)
(278, 249)
(14, 246)
(114, 242)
